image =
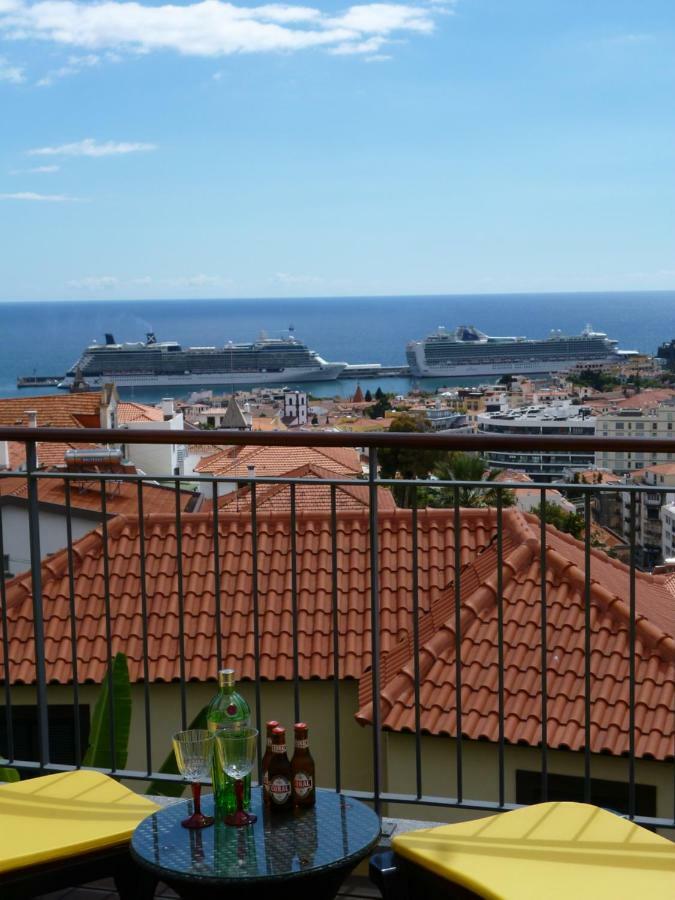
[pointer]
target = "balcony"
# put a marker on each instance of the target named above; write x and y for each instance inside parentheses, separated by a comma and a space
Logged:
(450, 662)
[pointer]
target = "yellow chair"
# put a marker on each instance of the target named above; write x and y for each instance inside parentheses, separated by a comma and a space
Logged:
(549, 851)
(69, 828)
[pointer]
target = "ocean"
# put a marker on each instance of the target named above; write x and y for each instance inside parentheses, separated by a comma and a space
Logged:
(47, 337)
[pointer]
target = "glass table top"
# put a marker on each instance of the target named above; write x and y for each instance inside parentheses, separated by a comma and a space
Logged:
(280, 846)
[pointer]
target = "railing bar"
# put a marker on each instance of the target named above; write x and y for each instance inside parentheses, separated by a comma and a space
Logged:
(416, 645)
(256, 621)
(7, 676)
(375, 627)
(336, 637)
(108, 624)
(38, 612)
(144, 629)
(457, 526)
(587, 649)
(631, 664)
(500, 641)
(294, 607)
(73, 627)
(181, 605)
(216, 575)
(544, 650)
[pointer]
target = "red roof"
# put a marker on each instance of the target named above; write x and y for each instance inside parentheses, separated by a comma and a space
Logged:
(314, 569)
(308, 497)
(128, 411)
(272, 461)
(565, 592)
(54, 410)
(121, 496)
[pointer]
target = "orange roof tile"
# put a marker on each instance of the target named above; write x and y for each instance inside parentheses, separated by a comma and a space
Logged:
(315, 567)
(127, 411)
(54, 410)
(308, 497)
(277, 461)
(121, 496)
(655, 652)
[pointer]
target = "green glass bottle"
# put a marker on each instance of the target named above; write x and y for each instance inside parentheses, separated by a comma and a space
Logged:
(227, 710)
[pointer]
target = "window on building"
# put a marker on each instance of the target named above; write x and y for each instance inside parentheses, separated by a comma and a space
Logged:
(5, 566)
(607, 794)
(61, 720)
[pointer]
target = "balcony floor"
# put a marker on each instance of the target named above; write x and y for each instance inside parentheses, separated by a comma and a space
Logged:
(355, 888)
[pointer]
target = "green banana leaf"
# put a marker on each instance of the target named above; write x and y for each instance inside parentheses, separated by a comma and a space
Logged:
(8, 775)
(98, 752)
(169, 767)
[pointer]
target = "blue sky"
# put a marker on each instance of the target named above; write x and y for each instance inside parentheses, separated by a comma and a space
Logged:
(218, 149)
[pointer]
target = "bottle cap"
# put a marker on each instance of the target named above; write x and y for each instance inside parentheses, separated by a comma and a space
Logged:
(271, 725)
(226, 678)
(279, 731)
(301, 726)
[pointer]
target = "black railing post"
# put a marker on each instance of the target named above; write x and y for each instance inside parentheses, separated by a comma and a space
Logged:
(38, 619)
(6, 673)
(375, 625)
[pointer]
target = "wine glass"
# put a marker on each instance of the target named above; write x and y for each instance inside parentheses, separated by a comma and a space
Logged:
(236, 753)
(194, 752)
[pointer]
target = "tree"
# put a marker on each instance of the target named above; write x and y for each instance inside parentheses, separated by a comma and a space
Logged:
(467, 467)
(368, 396)
(379, 408)
(570, 522)
(408, 462)
(379, 393)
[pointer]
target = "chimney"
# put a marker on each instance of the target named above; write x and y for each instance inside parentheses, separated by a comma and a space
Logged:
(250, 470)
(168, 408)
(32, 418)
(4, 455)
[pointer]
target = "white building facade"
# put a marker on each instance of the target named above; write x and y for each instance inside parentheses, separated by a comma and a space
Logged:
(656, 423)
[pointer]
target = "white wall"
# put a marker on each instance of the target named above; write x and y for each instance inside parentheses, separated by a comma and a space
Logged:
(156, 459)
(53, 534)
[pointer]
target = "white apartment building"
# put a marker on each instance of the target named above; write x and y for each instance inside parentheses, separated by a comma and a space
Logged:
(542, 466)
(649, 516)
(651, 423)
(295, 408)
(668, 532)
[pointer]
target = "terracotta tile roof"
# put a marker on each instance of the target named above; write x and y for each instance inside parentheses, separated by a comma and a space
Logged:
(656, 649)
(308, 497)
(54, 410)
(267, 423)
(127, 411)
(659, 469)
(277, 461)
(121, 497)
(49, 454)
(655, 652)
(314, 579)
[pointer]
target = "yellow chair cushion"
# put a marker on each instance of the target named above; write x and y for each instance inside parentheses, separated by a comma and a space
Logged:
(545, 852)
(61, 815)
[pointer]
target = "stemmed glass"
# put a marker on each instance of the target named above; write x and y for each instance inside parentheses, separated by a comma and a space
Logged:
(236, 753)
(194, 752)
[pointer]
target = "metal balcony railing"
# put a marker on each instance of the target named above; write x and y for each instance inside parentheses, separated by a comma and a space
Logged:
(372, 444)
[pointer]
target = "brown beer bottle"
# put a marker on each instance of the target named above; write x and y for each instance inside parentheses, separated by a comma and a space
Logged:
(271, 725)
(279, 773)
(302, 768)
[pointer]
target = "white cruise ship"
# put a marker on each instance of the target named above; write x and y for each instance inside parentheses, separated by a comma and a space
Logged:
(153, 362)
(467, 351)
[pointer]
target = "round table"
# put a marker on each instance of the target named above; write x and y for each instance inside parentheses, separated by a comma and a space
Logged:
(300, 853)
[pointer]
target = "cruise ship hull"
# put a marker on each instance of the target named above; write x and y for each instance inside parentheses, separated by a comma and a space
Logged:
(330, 372)
(517, 367)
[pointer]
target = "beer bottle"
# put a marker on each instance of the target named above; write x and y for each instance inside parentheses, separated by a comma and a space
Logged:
(302, 769)
(279, 773)
(271, 725)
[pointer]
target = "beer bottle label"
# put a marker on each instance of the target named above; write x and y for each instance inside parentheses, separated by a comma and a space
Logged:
(302, 745)
(280, 789)
(302, 784)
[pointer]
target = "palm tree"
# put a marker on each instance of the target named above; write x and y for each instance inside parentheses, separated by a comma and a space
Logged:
(467, 467)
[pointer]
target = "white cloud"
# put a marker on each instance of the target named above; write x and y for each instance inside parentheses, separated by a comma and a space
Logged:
(94, 283)
(8, 72)
(41, 198)
(210, 27)
(90, 147)
(199, 281)
(36, 170)
(74, 65)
